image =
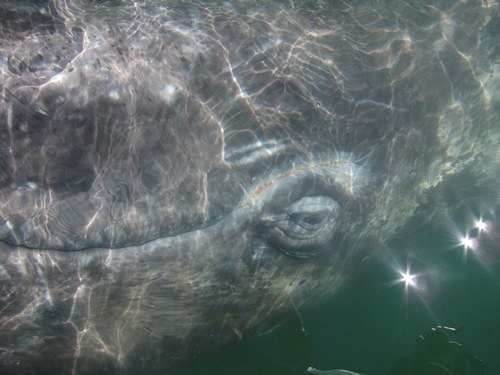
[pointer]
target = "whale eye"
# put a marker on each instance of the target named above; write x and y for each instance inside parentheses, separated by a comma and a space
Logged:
(303, 228)
(307, 217)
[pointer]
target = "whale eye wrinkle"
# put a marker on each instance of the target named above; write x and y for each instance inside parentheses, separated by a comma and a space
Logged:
(303, 228)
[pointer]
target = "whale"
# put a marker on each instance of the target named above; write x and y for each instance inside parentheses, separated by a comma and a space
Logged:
(176, 176)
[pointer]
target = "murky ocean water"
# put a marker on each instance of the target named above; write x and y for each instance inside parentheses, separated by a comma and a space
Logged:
(368, 327)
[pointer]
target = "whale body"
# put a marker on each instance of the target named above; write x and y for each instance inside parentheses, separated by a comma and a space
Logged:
(177, 175)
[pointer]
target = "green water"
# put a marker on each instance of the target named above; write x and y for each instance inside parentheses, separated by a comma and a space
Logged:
(367, 327)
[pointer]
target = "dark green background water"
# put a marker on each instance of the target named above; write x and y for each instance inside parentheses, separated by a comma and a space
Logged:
(368, 326)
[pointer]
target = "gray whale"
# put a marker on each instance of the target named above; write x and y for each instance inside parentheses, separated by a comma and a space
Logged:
(177, 175)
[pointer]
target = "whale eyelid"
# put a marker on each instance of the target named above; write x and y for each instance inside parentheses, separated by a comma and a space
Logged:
(304, 228)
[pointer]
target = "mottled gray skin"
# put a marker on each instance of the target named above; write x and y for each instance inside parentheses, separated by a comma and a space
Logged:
(173, 177)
